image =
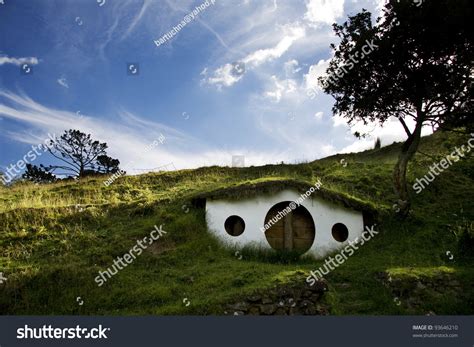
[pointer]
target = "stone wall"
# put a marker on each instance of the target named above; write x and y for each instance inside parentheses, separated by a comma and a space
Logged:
(295, 298)
(415, 292)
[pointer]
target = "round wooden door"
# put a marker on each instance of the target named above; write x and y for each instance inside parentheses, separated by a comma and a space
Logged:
(290, 229)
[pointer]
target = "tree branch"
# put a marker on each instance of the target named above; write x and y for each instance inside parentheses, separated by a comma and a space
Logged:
(405, 127)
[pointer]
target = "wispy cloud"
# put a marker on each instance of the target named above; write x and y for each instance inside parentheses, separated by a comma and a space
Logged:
(138, 17)
(292, 33)
(291, 67)
(127, 137)
(4, 59)
(286, 87)
(63, 82)
(223, 75)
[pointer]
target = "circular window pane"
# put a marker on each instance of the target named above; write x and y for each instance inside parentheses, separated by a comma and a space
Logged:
(340, 232)
(289, 229)
(234, 225)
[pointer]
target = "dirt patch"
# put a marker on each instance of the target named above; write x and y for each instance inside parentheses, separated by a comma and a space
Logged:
(161, 247)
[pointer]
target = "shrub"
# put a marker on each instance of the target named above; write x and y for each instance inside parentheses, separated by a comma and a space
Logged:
(466, 240)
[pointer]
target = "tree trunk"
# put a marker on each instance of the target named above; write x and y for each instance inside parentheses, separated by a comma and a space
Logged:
(81, 169)
(409, 149)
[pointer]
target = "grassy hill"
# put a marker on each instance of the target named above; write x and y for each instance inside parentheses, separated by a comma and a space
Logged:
(55, 238)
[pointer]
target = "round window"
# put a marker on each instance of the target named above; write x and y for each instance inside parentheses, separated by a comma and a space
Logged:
(234, 225)
(340, 232)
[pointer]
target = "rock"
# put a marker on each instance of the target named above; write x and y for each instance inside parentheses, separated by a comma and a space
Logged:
(282, 292)
(254, 298)
(420, 286)
(315, 297)
(291, 302)
(310, 310)
(307, 293)
(296, 298)
(268, 309)
(294, 311)
(280, 312)
(254, 311)
(319, 286)
(240, 306)
(322, 310)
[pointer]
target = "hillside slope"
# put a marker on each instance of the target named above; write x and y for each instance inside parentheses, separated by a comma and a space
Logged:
(54, 239)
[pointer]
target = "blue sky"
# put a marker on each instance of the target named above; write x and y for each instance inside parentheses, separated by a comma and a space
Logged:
(186, 88)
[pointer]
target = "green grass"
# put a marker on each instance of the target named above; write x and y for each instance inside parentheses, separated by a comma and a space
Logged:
(55, 238)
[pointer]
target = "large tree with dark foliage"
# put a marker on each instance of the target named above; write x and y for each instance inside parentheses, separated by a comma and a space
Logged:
(80, 156)
(420, 68)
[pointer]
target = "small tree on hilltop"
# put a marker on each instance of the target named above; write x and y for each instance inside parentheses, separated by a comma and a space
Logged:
(80, 155)
(419, 67)
(38, 174)
(378, 143)
(107, 164)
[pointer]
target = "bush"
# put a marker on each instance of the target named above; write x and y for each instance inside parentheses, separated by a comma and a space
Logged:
(466, 240)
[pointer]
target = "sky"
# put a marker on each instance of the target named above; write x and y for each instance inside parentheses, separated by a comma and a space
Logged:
(238, 78)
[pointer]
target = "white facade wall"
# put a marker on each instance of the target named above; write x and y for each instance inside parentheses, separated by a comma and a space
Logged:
(253, 211)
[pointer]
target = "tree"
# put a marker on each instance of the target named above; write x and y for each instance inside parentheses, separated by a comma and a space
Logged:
(38, 174)
(414, 63)
(80, 155)
(378, 143)
(107, 164)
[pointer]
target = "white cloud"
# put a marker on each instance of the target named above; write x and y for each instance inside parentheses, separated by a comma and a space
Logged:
(223, 76)
(291, 34)
(319, 115)
(338, 121)
(392, 131)
(291, 67)
(291, 117)
(379, 6)
(18, 61)
(281, 88)
(314, 72)
(302, 145)
(63, 82)
(324, 11)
